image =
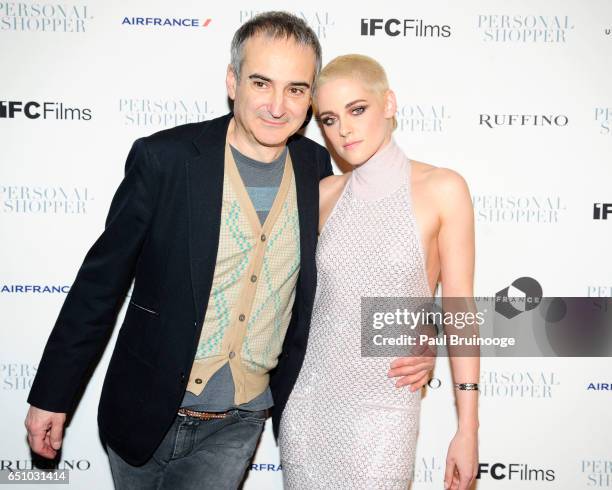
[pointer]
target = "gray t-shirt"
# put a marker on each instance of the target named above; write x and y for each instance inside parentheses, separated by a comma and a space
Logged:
(262, 181)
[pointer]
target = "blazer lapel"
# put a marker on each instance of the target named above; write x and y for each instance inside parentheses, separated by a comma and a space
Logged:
(308, 207)
(205, 194)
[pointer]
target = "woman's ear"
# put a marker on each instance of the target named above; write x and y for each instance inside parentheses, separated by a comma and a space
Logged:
(390, 104)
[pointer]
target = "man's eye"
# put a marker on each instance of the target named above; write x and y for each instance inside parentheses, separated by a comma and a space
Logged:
(296, 91)
(259, 84)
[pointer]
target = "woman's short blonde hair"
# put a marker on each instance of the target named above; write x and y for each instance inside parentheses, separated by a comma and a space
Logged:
(354, 66)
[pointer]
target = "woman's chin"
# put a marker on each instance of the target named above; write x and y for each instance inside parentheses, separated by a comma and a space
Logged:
(354, 158)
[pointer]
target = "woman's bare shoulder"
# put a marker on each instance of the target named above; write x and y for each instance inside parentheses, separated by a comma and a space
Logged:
(446, 186)
(332, 183)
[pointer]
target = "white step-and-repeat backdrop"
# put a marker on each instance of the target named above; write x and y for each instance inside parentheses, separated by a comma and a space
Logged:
(516, 96)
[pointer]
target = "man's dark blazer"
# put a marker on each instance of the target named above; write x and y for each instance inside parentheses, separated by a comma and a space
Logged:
(163, 230)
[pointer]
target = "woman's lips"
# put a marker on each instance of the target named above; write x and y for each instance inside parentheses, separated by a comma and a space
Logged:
(351, 145)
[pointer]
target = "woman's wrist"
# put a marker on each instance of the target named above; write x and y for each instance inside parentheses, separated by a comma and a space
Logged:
(468, 427)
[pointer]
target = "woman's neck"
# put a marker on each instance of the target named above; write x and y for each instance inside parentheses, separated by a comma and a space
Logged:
(382, 174)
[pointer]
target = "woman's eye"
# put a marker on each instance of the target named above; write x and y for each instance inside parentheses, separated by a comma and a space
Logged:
(327, 121)
(359, 110)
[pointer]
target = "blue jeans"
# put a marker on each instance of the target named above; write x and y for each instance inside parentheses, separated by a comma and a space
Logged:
(195, 454)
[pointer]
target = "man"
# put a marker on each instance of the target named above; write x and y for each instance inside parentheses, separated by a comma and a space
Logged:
(217, 223)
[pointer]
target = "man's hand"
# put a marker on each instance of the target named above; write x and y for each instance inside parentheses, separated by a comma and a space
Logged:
(414, 371)
(45, 431)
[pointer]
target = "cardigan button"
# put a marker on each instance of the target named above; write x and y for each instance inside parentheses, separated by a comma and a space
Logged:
(232, 355)
(263, 237)
(198, 381)
(241, 317)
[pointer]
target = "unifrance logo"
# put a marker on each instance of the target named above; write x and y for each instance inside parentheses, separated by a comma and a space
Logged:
(524, 294)
(320, 21)
(422, 118)
(164, 112)
(404, 28)
(43, 17)
(165, 22)
(11, 109)
(500, 28)
(26, 199)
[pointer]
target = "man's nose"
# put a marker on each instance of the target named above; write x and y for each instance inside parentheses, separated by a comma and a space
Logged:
(277, 104)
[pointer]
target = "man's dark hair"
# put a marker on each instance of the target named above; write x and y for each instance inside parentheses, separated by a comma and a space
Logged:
(276, 25)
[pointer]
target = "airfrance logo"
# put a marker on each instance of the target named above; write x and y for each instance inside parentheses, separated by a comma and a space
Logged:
(9, 109)
(165, 22)
(34, 288)
(403, 27)
(599, 387)
(266, 467)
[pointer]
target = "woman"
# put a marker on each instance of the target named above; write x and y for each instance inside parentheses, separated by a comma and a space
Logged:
(391, 227)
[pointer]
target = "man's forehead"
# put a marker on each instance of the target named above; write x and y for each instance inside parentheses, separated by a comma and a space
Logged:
(264, 41)
(278, 53)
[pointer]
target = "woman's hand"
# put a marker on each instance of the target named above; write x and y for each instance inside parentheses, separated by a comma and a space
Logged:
(462, 460)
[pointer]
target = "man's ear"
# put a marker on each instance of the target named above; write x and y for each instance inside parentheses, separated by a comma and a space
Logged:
(390, 104)
(231, 82)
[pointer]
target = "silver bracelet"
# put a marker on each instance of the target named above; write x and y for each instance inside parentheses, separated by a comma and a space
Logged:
(466, 386)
